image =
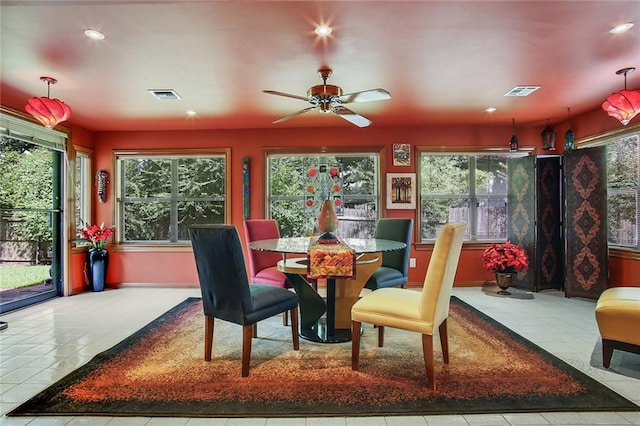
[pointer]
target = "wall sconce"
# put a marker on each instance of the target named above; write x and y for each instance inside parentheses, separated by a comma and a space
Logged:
(548, 138)
(625, 104)
(569, 136)
(48, 111)
(513, 143)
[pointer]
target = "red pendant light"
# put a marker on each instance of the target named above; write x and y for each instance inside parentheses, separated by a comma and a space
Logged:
(48, 111)
(625, 104)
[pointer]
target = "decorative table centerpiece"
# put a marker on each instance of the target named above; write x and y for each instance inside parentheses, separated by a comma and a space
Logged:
(97, 260)
(504, 259)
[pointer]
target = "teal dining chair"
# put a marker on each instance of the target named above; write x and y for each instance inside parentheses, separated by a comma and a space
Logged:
(394, 270)
(226, 293)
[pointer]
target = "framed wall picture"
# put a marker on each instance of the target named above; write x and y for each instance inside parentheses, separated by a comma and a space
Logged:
(401, 154)
(401, 191)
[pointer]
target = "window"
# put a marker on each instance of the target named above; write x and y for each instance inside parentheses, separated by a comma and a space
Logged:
(623, 176)
(82, 188)
(159, 195)
(287, 194)
(462, 187)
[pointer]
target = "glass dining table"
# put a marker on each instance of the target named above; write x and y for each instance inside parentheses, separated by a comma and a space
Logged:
(327, 319)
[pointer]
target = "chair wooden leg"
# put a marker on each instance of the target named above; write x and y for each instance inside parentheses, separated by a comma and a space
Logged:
(285, 318)
(295, 336)
(247, 336)
(444, 341)
(427, 349)
(380, 336)
(255, 329)
(208, 337)
(355, 345)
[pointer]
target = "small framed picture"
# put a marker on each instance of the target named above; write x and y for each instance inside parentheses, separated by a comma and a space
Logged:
(401, 191)
(401, 154)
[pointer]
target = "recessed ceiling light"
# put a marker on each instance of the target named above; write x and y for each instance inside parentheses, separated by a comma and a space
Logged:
(191, 113)
(94, 34)
(491, 109)
(621, 28)
(323, 30)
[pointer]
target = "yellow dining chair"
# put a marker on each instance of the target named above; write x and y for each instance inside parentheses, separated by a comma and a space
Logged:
(422, 312)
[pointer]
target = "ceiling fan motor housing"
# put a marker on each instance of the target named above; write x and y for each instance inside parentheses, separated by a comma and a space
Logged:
(324, 94)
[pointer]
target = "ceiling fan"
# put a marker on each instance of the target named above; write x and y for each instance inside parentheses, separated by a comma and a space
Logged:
(328, 98)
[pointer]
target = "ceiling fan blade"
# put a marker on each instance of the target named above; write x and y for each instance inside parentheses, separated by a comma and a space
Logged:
(351, 116)
(302, 111)
(288, 95)
(365, 96)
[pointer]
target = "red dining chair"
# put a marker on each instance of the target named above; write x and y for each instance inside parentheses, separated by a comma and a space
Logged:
(263, 267)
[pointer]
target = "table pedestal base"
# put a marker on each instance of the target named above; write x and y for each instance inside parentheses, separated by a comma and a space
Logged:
(335, 326)
(320, 333)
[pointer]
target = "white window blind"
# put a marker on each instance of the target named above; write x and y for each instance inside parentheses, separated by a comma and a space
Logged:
(16, 128)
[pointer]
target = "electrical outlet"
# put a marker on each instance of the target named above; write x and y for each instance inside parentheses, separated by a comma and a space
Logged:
(412, 262)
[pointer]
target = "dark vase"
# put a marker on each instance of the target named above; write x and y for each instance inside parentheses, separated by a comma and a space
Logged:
(96, 268)
(503, 280)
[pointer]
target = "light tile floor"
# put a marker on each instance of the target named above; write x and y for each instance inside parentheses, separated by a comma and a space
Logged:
(47, 341)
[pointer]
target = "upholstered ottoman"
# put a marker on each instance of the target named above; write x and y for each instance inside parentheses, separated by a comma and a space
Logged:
(618, 317)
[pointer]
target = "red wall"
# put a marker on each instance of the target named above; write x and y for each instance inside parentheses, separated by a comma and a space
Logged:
(82, 138)
(179, 268)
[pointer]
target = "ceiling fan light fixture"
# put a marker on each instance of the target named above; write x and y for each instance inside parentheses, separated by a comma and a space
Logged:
(328, 98)
(625, 104)
(49, 112)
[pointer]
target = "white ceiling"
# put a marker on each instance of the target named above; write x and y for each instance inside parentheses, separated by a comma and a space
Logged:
(442, 61)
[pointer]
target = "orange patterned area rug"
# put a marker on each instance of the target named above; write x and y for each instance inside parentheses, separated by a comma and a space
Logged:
(160, 371)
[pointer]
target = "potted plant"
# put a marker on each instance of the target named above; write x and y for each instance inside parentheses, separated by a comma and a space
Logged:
(97, 256)
(504, 259)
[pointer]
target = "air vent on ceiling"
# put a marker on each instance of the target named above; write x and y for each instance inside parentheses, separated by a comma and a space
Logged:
(164, 94)
(522, 91)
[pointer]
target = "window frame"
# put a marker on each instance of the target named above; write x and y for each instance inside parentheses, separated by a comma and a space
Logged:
(374, 150)
(463, 151)
(605, 139)
(118, 186)
(82, 201)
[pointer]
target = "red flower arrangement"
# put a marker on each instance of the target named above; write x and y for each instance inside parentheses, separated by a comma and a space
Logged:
(96, 235)
(505, 257)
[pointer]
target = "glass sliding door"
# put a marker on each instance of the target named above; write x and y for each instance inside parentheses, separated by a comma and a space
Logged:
(31, 200)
